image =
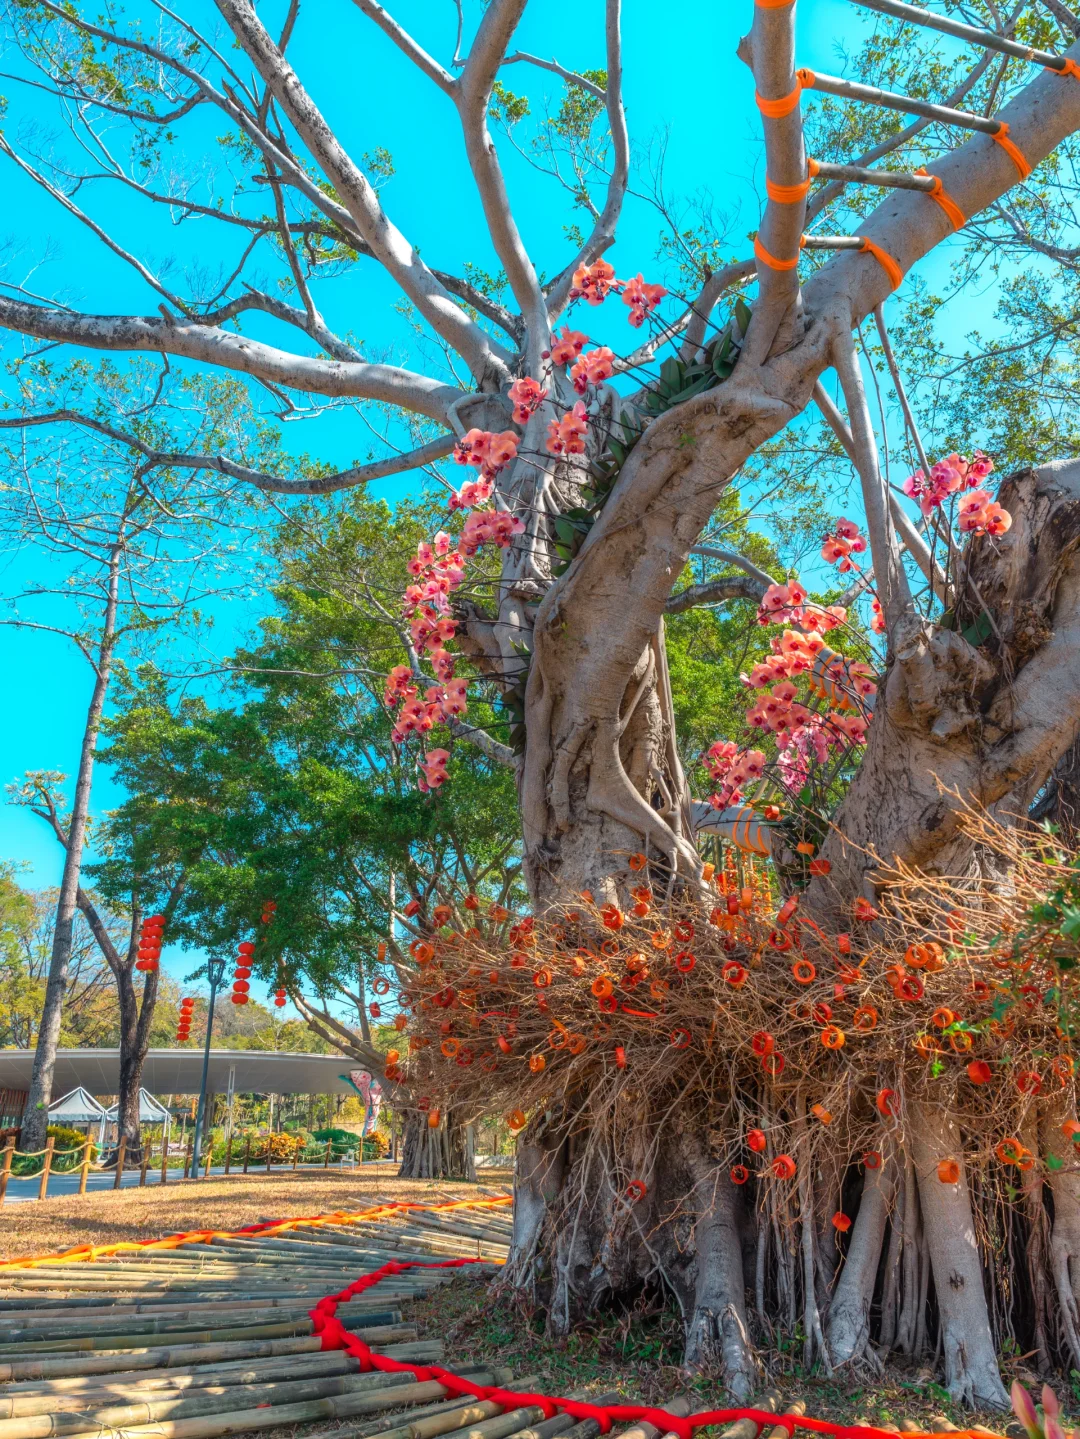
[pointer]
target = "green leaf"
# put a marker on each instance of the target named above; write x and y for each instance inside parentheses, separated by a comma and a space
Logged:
(743, 315)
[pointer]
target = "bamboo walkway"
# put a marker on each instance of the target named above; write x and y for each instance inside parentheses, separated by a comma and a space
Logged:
(213, 1336)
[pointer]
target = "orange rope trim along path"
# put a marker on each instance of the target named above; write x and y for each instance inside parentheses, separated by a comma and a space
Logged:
(90, 1252)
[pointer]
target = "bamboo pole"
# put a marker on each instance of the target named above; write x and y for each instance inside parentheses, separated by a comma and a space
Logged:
(228, 1151)
(239, 1421)
(5, 1172)
(209, 1155)
(187, 1160)
(43, 1187)
(247, 1151)
(187, 1406)
(145, 1164)
(84, 1172)
(326, 1157)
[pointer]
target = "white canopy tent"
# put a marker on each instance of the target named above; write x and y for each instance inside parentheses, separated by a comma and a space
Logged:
(151, 1111)
(78, 1107)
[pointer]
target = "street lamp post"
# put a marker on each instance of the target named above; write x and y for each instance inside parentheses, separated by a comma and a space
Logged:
(215, 972)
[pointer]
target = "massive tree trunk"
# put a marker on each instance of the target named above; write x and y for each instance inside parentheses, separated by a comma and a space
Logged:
(957, 725)
(442, 1151)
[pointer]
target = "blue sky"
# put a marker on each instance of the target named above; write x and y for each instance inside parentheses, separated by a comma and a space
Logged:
(683, 82)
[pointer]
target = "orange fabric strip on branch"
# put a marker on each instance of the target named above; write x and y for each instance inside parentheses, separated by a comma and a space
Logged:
(956, 217)
(777, 109)
(1017, 156)
(1070, 67)
(773, 4)
(885, 260)
(770, 260)
(786, 194)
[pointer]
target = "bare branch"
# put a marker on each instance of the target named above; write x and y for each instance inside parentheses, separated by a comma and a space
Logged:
(603, 232)
(473, 93)
(485, 358)
(570, 76)
(407, 45)
(320, 485)
(716, 592)
(892, 582)
(232, 352)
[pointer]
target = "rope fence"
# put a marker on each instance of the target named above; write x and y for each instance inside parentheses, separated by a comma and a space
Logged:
(274, 1149)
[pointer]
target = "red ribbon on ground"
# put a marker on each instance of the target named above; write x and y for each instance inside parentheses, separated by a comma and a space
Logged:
(336, 1336)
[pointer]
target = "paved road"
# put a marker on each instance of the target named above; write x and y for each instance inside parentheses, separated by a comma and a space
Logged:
(21, 1191)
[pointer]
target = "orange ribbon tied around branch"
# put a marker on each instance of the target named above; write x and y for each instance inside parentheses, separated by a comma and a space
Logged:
(777, 109)
(1017, 156)
(786, 194)
(770, 260)
(953, 213)
(885, 260)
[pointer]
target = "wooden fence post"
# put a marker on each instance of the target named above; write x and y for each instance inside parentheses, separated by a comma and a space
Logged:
(121, 1153)
(326, 1157)
(5, 1173)
(209, 1157)
(84, 1173)
(269, 1149)
(164, 1154)
(228, 1152)
(145, 1164)
(43, 1187)
(247, 1151)
(296, 1155)
(187, 1159)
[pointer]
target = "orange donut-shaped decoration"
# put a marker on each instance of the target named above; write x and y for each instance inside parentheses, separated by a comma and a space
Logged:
(803, 972)
(884, 1103)
(537, 1063)
(948, 1171)
(602, 987)
(733, 973)
(762, 1042)
(739, 1174)
(832, 1037)
(783, 1166)
(864, 1019)
(636, 1189)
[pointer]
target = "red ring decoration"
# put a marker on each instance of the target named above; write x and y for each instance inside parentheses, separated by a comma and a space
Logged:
(636, 1189)
(781, 940)
(739, 1174)
(681, 1038)
(684, 961)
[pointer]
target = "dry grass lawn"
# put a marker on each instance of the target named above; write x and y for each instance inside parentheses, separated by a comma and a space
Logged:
(215, 1203)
